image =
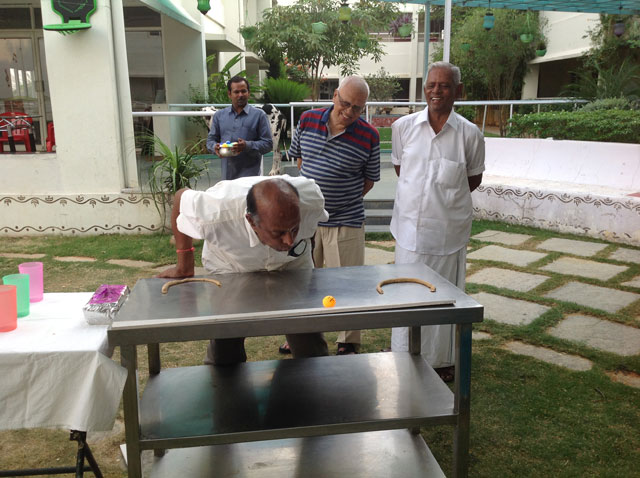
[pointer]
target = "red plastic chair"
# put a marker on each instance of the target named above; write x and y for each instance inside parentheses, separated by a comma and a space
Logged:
(21, 125)
(51, 136)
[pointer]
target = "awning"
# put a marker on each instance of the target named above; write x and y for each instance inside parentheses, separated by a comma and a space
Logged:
(173, 10)
(613, 7)
(222, 42)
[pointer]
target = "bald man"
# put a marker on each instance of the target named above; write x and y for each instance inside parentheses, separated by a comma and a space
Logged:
(249, 224)
(341, 152)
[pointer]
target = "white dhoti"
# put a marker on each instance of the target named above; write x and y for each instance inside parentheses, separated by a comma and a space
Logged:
(437, 341)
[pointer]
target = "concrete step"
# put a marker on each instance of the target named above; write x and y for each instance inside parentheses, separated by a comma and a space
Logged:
(376, 228)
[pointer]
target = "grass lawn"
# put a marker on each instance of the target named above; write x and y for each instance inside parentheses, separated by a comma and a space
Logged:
(528, 418)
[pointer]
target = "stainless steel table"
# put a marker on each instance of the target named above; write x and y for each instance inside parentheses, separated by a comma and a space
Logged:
(318, 412)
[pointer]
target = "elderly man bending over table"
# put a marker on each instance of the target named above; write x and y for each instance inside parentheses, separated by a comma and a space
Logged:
(249, 224)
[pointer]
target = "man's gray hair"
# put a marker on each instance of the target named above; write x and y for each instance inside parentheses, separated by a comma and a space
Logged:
(357, 82)
(455, 71)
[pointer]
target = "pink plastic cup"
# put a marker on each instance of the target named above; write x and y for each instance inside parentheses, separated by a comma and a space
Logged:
(8, 308)
(34, 269)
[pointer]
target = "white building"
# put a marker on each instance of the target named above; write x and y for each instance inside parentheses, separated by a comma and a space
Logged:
(140, 54)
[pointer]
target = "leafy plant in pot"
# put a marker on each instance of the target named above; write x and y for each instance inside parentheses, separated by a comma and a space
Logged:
(177, 168)
(402, 26)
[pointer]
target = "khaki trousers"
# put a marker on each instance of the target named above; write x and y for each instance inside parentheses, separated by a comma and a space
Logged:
(339, 247)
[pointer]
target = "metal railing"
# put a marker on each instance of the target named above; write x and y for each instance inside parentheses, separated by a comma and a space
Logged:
(367, 112)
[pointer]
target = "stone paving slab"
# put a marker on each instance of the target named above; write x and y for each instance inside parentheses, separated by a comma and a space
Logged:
(626, 255)
(584, 268)
(599, 334)
(571, 362)
(603, 298)
(74, 259)
(503, 254)
(506, 238)
(507, 279)
(635, 282)
(480, 335)
(569, 246)
(374, 256)
(131, 263)
(509, 311)
(16, 255)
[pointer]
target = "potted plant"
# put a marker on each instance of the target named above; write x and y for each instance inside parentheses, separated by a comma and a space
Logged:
(175, 169)
(401, 26)
(541, 49)
(248, 32)
(465, 45)
(319, 27)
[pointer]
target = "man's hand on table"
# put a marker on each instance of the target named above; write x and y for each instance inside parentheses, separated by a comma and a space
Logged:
(176, 273)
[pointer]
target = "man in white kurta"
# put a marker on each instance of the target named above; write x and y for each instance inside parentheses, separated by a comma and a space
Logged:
(439, 158)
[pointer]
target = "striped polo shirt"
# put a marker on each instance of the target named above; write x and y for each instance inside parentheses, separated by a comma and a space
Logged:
(338, 165)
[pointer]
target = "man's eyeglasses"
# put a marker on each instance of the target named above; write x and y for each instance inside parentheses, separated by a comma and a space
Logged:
(345, 104)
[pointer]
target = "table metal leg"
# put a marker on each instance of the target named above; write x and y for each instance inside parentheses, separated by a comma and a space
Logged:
(84, 452)
(462, 401)
(130, 400)
(415, 341)
(12, 144)
(32, 142)
(153, 353)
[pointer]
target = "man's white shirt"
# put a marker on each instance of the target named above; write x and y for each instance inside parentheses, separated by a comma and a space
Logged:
(433, 210)
(217, 215)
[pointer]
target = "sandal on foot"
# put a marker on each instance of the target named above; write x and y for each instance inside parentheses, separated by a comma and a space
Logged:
(284, 348)
(346, 349)
(447, 374)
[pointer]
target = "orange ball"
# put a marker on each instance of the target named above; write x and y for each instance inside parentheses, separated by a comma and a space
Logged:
(329, 301)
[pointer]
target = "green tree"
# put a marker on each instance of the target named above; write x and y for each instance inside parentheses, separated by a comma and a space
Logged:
(611, 68)
(495, 64)
(286, 31)
(382, 86)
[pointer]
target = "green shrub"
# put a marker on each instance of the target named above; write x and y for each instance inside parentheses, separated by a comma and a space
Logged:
(467, 112)
(611, 104)
(616, 126)
(283, 90)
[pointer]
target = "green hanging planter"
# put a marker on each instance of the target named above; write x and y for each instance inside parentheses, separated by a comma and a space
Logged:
(362, 43)
(541, 52)
(404, 30)
(319, 27)
(526, 37)
(248, 32)
(465, 46)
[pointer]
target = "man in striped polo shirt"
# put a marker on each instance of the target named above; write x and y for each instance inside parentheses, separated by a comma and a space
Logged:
(341, 152)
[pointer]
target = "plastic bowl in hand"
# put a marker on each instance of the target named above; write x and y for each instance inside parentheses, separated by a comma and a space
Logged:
(226, 150)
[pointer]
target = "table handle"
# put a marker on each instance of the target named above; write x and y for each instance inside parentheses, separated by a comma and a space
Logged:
(165, 287)
(431, 287)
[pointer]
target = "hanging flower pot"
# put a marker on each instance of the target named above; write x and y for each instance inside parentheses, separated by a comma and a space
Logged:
(526, 37)
(319, 27)
(489, 21)
(404, 30)
(465, 46)
(541, 52)
(344, 12)
(362, 43)
(248, 32)
(618, 28)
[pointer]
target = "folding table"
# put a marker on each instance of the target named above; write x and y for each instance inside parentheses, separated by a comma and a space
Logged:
(56, 373)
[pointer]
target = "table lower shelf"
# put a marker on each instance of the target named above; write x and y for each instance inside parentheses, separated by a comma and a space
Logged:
(381, 454)
(206, 405)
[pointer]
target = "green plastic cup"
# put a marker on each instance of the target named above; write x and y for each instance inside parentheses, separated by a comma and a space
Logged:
(21, 281)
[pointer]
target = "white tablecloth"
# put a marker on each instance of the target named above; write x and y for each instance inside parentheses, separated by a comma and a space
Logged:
(55, 370)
